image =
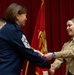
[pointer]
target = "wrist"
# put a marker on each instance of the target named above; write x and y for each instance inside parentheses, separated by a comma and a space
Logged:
(53, 55)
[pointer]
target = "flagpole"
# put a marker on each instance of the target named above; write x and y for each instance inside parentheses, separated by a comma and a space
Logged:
(26, 68)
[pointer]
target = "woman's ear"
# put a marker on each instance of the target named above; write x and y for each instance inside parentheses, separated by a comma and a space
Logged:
(17, 16)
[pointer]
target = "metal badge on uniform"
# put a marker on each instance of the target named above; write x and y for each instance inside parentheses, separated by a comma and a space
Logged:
(25, 42)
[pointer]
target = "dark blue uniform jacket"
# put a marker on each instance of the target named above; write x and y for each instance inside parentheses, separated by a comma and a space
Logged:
(14, 49)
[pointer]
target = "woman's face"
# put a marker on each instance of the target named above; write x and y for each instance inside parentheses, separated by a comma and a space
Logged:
(21, 19)
(70, 28)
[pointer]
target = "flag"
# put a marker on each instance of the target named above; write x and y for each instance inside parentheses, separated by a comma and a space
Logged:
(39, 38)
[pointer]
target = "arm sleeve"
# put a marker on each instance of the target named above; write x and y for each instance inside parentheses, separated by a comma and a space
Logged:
(65, 52)
(14, 39)
(57, 63)
(59, 60)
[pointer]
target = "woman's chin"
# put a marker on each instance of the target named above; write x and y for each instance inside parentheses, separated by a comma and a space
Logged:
(70, 34)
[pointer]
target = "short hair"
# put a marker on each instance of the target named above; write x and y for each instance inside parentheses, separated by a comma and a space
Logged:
(72, 19)
(2, 20)
(14, 9)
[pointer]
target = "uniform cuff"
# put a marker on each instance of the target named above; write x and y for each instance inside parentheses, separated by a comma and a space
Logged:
(53, 55)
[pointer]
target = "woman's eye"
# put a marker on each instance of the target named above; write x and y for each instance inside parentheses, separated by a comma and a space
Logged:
(68, 25)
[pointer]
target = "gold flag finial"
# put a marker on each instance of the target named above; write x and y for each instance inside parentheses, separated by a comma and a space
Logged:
(42, 2)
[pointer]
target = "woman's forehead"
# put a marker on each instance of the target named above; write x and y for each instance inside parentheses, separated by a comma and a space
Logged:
(70, 22)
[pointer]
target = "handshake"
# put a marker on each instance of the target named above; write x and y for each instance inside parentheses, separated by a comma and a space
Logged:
(48, 56)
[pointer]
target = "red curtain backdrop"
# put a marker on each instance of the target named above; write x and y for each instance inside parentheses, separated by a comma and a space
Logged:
(57, 12)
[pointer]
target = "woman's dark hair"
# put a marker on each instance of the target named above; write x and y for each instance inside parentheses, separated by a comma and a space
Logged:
(14, 9)
(72, 19)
